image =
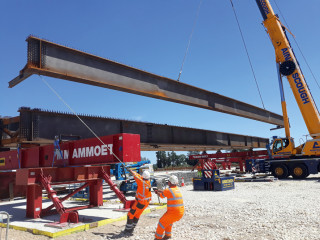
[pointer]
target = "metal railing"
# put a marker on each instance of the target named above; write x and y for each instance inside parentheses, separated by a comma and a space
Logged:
(8, 222)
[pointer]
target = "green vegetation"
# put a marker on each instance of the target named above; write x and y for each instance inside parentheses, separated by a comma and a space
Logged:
(171, 159)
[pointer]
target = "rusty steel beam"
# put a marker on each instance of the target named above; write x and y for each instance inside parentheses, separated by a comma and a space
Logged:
(53, 60)
(40, 127)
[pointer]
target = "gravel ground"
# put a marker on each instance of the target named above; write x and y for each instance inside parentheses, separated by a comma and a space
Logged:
(286, 209)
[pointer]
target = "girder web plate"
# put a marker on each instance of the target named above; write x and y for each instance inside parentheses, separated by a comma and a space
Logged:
(50, 59)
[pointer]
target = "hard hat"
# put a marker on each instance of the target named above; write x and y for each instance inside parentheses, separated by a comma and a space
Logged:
(146, 175)
(174, 180)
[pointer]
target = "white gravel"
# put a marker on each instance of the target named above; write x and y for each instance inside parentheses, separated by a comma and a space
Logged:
(280, 210)
(287, 209)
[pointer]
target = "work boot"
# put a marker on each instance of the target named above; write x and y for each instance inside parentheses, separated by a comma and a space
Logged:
(166, 237)
(126, 230)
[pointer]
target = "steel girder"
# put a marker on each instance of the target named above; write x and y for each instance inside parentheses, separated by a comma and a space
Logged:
(41, 127)
(50, 59)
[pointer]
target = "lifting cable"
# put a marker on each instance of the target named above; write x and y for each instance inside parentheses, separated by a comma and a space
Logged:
(55, 92)
(245, 46)
(190, 37)
(297, 44)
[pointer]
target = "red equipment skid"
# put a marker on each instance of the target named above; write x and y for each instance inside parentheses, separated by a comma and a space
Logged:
(225, 159)
(83, 161)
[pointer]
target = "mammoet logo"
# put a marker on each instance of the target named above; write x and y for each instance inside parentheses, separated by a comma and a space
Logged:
(92, 151)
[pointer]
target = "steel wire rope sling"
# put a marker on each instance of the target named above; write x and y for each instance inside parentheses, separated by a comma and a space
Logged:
(190, 37)
(56, 143)
(81, 120)
(245, 46)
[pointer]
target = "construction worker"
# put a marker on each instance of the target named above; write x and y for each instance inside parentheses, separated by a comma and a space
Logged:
(143, 197)
(199, 169)
(175, 208)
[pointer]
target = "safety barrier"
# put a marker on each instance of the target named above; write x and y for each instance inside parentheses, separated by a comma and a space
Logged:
(8, 222)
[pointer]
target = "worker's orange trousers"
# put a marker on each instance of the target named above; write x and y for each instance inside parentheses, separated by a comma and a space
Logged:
(135, 212)
(166, 221)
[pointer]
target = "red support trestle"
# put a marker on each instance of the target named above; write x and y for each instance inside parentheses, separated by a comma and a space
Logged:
(47, 211)
(37, 178)
(65, 216)
(83, 161)
(226, 159)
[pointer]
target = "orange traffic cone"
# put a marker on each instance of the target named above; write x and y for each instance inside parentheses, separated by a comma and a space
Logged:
(182, 182)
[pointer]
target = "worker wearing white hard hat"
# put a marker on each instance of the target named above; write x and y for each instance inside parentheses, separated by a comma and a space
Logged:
(143, 197)
(175, 208)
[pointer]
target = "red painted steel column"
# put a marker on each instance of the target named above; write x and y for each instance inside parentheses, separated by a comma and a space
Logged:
(96, 193)
(224, 165)
(241, 166)
(34, 201)
(229, 164)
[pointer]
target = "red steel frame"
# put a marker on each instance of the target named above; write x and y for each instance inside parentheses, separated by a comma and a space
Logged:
(225, 159)
(83, 161)
(92, 176)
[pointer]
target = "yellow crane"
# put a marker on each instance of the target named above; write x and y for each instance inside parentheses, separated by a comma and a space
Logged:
(302, 160)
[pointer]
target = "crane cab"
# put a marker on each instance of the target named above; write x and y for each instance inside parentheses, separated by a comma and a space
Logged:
(283, 146)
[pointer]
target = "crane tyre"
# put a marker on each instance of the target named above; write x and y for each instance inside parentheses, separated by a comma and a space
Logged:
(280, 171)
(300, 171)
(287, 68)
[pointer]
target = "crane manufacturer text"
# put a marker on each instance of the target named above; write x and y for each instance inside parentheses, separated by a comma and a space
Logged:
(301, 88)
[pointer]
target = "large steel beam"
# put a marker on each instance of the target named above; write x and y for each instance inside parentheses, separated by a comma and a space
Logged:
(41, 127)
(50, 59)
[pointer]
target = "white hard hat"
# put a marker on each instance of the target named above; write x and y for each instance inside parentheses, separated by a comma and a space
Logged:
(146, 175)
(174, 180)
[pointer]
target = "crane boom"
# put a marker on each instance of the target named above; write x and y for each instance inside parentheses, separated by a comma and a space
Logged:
(289, 67)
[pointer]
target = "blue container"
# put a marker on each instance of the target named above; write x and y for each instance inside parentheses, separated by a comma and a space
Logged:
(198, 184)
(216, 183)
(224, 183)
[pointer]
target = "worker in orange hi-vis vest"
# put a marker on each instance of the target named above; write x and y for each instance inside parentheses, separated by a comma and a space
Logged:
(143, 197)
(175, 208)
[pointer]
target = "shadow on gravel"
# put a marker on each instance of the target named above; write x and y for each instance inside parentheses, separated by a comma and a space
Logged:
(120, 235)
(290, 179)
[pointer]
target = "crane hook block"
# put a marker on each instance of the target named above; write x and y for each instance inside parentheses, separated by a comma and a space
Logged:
(287, 68)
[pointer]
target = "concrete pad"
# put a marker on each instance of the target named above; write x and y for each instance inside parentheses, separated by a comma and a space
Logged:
(89, 218)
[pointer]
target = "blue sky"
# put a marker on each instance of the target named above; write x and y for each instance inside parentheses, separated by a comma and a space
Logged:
(153, 36)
